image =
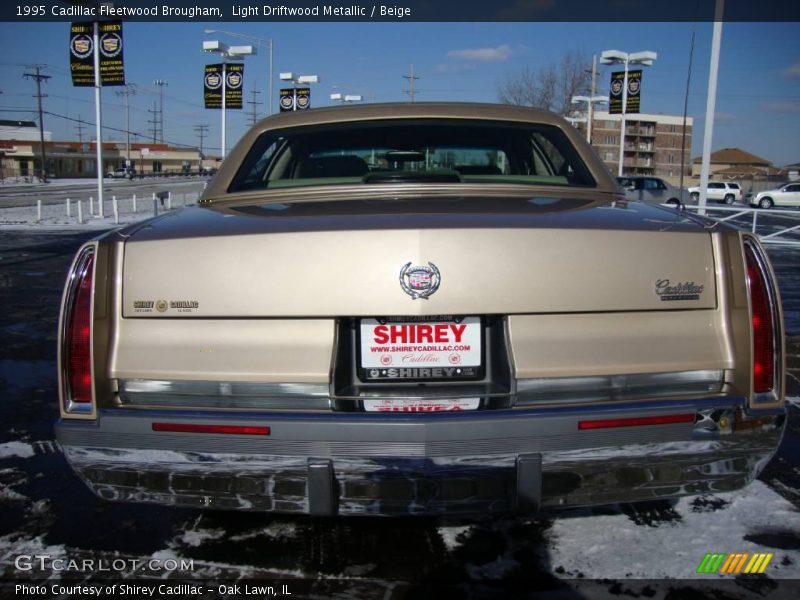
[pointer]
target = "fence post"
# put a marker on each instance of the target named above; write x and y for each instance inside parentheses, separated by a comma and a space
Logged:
(155, 205)
(169, 200)
(69, 210)
(38, 210)
(116, 209)
(80, 212)
(91, 205)
(134, 203)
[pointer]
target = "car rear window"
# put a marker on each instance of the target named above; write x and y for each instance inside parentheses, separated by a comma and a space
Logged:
(412, 151)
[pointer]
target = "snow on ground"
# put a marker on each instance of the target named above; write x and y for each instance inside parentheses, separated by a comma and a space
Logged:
(613, 546)
(55, 217)
(19, 449)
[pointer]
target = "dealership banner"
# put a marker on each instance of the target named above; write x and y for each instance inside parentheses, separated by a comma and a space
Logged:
(81, 54)
(212, 86)
(294, 99)
(213, 83)
(234, 80)
(634, 91)
(615, 93)
(81, 50)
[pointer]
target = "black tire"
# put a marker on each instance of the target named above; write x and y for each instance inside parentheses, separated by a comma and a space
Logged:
(729, 199)
(766, 202)
(694, 196)
(674, 202)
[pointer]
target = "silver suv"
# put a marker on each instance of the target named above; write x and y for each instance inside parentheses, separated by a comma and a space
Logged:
(720, 191)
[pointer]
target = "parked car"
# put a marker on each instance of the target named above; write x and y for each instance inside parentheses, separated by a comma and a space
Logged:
(418, 308)
(721, 191)
(121, 173)
(652, 190)
(786, 195)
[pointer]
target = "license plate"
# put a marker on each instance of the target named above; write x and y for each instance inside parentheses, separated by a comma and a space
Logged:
(437, 349)
(420, 406)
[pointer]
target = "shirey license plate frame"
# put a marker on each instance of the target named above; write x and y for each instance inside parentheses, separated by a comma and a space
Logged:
(421, 372)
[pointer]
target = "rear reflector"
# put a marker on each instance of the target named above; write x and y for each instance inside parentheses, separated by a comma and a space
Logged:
(196, 428)
(77, 359)
(763, 323)
(636, 421)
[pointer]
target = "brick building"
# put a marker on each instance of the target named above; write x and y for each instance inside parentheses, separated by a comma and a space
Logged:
(652, 144)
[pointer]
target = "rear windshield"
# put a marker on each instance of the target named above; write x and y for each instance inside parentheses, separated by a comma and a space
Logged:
(412, 151)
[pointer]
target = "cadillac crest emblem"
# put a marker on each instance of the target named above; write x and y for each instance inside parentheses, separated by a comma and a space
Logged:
(420, 281)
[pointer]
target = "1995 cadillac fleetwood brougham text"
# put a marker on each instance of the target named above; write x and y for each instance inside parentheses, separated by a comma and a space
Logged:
(418, 309)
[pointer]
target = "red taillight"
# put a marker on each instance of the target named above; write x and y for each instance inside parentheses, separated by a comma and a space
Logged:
(77, 334)
(763, 324)
(198, 428)
(636, 421)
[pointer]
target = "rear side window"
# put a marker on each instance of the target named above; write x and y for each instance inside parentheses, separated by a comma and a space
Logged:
(413, 151)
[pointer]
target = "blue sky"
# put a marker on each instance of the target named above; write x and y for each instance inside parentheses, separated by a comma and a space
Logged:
(758, 102)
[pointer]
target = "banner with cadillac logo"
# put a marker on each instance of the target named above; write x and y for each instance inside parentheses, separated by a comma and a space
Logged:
(234, 79)
(213, 84)
(634, 92)
(295, 99)
(81, 48)
(615, 93)
(81, 54)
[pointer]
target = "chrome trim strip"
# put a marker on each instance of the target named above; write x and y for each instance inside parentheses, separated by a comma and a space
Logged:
(223, 394)
(309, 396)
(605, 388)
(696, 404)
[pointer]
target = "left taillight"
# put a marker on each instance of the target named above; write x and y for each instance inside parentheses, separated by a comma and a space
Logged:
(76, 335)
(766, 325)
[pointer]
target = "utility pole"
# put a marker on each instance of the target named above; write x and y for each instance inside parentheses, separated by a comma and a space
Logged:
(79, 127)
(154, 121)
(201, 132)
(253, 103)
(39, 78)
(127, 91)
(160, 83)
(411, 77)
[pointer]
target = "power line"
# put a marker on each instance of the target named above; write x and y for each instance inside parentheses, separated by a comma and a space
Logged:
(133, 133)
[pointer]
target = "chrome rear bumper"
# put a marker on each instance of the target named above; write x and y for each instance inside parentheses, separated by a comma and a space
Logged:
(499, 461)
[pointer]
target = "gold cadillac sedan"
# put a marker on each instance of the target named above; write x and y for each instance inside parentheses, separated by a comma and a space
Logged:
(418, 309)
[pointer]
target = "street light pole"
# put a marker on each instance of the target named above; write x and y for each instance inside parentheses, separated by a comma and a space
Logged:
(226, 52)
(611, 57)
(590, 101)
(258, 42)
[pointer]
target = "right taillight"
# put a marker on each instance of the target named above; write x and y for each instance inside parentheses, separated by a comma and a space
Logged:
(765, 324)
(76, 342)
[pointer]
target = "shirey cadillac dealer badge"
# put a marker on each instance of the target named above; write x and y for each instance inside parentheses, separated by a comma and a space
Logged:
(420, 281)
